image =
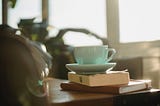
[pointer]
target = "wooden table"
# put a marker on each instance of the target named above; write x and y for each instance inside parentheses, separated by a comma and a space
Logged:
(57, 97)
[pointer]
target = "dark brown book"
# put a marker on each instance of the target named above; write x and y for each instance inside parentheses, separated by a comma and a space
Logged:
(133, 85)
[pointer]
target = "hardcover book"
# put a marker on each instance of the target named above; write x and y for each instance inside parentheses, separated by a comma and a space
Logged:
(133, 85)
(112, 78)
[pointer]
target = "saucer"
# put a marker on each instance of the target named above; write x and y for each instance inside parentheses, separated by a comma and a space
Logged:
(90, 68)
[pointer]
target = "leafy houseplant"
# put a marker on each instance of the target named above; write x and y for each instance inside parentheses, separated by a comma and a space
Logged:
(34, 31)
(61, 53)
(12, 3)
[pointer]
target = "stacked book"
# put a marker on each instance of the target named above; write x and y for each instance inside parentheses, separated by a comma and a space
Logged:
(115, 82)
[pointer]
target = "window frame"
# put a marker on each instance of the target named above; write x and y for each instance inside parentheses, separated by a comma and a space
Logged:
(4, 11)
(44, 5)
(125, 50)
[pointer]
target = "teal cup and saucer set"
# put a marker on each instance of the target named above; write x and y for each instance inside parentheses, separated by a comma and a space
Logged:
(92, 59)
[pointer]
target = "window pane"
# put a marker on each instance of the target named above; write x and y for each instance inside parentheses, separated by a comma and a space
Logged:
(24, 9)
(89, 14)
(139, 20)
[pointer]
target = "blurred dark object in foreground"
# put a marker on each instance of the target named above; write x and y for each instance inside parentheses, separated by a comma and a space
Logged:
(23, 68)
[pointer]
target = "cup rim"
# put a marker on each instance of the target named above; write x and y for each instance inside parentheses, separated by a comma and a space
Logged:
(91, 46)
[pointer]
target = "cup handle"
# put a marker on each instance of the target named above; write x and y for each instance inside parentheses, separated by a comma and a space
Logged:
(113, 52)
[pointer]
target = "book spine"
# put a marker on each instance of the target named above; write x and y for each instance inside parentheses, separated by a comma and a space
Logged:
(84, 88)
(100, 79)
(81, 79)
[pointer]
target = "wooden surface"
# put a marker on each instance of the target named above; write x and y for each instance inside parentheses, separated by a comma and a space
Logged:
(57, 97)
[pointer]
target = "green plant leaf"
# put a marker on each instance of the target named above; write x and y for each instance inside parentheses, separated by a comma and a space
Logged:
(12, 3)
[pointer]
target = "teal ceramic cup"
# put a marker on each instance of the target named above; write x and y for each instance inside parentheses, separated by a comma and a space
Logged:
(93, 54)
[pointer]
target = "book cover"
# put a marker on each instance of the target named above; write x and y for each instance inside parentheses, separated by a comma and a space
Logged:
(133, 85)
(112, 78)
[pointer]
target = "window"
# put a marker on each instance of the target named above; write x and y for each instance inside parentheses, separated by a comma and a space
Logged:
(89, 14)
(121, 31)
(24, 9)
(139, 18)
(129, 39)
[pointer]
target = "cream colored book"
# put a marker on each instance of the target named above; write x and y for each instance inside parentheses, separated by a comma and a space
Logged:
(112, 78)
